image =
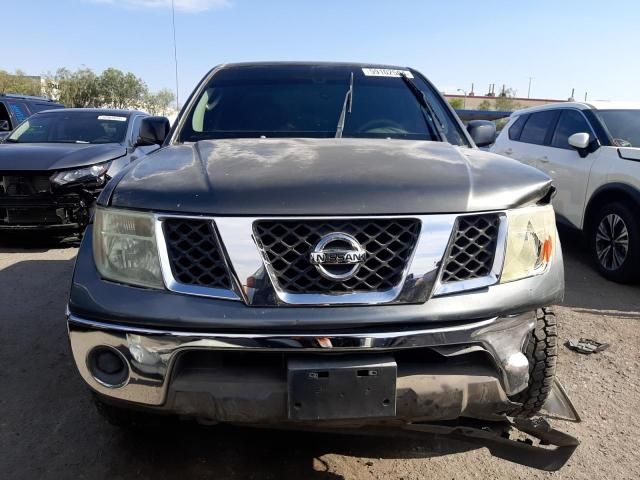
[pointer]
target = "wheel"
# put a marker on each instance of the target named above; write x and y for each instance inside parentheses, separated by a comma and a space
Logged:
(542, 352)
(124, 417)
(614, 239)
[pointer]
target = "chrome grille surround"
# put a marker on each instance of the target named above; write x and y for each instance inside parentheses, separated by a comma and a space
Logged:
(472, 248)
(286, 246)
(478, 234)
(195, 253)
(253, 282)
(223, 289)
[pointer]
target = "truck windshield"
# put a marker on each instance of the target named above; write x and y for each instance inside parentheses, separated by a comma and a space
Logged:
(623, 125)
(71, 127)
(308, 101)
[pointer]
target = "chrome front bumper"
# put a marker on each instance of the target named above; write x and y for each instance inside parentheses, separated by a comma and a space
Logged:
(152, 353)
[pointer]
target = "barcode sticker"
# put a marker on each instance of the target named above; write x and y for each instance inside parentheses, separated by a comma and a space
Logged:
(113, 118)
(386, 72)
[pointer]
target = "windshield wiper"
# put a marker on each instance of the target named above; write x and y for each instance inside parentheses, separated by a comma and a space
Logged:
(348, 100)
(427, 109)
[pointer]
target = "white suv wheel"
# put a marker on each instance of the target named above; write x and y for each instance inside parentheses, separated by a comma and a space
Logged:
(615, 242)
(612, 242)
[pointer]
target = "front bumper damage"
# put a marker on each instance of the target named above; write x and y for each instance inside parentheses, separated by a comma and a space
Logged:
(30, 202)
(452, 379)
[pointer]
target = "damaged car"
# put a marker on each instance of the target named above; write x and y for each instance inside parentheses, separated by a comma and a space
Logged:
(324, 246)
(55, 164)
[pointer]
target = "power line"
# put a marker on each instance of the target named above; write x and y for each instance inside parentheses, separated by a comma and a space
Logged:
(175, 50)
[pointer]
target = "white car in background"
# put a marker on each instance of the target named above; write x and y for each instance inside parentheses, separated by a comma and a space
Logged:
(592, 153)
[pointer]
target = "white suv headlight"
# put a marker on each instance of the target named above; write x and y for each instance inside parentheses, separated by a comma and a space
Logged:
(124, 247)
(531, 241)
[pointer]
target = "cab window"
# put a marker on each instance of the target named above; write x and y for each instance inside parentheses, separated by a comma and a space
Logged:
(538, 127)
(571, 121)
(516, 129)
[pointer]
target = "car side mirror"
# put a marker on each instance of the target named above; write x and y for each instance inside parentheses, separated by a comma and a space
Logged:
(579, 141)
(483, 132)
(4, 126)
(153, 131)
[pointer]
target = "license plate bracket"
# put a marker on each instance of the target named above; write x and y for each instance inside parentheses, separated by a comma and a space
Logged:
(341, 387)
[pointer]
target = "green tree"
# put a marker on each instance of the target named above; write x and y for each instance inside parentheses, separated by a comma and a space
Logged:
(121, 90)
(485, 105)
(159, 103)
(77, 89)
(83, 88)
(505, 101)
(19, 83)
(456, 103)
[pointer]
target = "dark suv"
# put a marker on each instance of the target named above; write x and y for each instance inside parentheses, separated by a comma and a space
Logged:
(323, 246)
(14, 109)
(55, 163)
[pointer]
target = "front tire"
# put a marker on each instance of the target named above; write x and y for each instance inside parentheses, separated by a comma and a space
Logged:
(542, 353)
(614, 239)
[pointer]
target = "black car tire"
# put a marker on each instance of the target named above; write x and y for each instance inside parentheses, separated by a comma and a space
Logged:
(627, 270)
(542, 353)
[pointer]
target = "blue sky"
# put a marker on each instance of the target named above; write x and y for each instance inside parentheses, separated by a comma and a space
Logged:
(587, 45)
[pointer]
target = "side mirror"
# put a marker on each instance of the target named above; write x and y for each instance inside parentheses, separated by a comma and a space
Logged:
(153, 131)
(4, 126)
(483, 132)
(579, 141)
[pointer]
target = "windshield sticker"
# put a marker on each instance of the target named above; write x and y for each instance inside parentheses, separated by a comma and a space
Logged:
(113, 118)
(386, 72)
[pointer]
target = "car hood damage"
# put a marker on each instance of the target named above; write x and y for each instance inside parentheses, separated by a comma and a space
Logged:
(326, 177)
(25, 157)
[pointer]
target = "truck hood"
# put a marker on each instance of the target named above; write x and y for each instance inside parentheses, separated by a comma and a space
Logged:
(325, 177)
(55, 156)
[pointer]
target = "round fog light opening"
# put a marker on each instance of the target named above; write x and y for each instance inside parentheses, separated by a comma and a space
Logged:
(108, 366)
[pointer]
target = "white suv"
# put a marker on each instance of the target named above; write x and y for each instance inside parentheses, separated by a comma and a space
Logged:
(592, 153)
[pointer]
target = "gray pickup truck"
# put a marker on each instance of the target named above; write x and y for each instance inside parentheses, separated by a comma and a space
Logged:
(322, 245)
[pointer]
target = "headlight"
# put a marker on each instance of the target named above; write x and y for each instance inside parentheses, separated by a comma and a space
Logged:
(87, 174)
(124, 247)
(531, 241)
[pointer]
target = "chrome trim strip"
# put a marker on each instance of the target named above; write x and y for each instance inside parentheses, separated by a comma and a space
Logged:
(151, 353)
(299, 340)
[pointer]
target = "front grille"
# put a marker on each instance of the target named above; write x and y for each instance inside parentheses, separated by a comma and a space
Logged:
(29, 216)
(24, 185)
(287, 244)
(472, 249)
(195, 253)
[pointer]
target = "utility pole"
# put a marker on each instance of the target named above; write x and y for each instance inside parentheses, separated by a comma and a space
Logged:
(529, 89)
(175, 50)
